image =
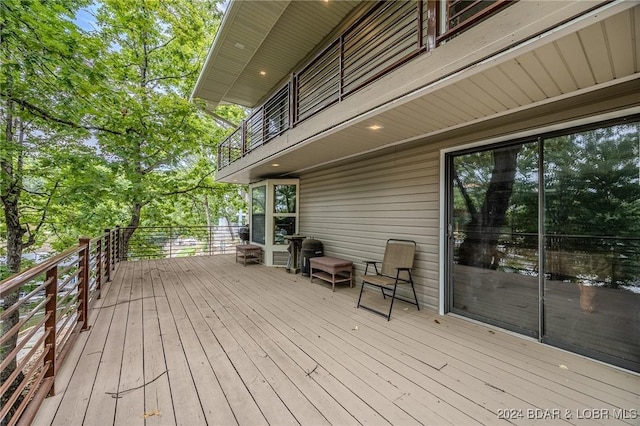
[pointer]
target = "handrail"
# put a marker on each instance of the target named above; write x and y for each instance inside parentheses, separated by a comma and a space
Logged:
(9, 284)
(153, 242)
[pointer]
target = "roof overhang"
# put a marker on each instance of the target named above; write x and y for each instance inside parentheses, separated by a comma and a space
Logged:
(258, 45)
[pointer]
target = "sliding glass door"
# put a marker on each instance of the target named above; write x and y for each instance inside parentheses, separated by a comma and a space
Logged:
(494, 236)
(592, 242)
(567, 204)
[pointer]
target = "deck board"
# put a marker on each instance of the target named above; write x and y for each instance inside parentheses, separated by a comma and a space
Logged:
(212, 399)
(102, 403)
(157, 393)
(204, 340)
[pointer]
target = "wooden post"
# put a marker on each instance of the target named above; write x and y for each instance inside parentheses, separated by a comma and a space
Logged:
(107, 253)
(51, 291)
(83, 285)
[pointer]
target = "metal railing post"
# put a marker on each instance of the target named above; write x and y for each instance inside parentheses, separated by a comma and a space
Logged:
(51, 292)
(119, 244)
(99, 266)
(170, 241)
(107, 252)
(83, 285)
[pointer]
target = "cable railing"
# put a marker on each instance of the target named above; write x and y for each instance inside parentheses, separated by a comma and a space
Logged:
(177, 241)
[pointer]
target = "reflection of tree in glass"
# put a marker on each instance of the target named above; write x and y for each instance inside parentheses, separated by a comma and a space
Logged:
(593, 183)
(592, 199)
(285, 199)
(258, 199)
(486, 204)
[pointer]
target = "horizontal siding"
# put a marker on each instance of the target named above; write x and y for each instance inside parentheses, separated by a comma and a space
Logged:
(354, 208)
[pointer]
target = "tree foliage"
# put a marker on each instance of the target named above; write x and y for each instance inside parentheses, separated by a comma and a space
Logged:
(155, 49)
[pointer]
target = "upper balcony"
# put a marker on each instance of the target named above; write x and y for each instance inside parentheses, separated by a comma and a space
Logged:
(393, 72)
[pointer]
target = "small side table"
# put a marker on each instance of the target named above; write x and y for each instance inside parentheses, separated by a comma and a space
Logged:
(331, 269)
(249, 253)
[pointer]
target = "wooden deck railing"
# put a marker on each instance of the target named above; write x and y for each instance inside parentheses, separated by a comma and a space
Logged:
(385, 37)
(43, 310)
(45, 307)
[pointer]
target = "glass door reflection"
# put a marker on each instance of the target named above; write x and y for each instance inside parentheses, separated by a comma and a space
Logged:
(494, 236)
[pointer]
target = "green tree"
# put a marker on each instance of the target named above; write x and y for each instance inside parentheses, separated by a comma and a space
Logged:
(48, 75)
(156, 49)
(592, 203)
(489, 208)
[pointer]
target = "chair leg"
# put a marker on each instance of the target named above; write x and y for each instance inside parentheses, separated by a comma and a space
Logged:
(393, 297)
(415, 297)
(384, 296)
(360, 298)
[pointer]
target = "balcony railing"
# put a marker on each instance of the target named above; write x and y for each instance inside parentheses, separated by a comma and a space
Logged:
(265, 123)
(385, 37)
(179, 241)
(46, 306)
(43, 310)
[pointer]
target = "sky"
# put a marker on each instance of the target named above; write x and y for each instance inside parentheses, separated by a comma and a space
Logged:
(85, 19)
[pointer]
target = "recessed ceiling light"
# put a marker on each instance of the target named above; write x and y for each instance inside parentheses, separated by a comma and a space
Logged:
(375, 127)
(275, 165)
(239, 45)
(263, 73)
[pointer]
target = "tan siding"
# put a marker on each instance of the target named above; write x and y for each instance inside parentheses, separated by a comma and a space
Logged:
(353, 209)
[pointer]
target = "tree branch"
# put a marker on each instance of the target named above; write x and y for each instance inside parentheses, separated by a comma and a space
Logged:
(467, 199)
(32, 235)
(39, 112)
(193, 188)
(153, 49)
(171, 77)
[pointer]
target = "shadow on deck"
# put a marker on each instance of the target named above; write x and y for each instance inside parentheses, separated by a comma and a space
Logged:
(204, 340)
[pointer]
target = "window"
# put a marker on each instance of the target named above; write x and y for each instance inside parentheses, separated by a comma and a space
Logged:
(258, 202)
(459, 15)
(284, 212)
(566, 270)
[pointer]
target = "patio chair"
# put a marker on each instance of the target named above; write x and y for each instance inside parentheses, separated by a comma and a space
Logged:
(396, 269)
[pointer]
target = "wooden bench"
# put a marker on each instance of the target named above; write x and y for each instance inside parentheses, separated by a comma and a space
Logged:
(331, 269)
(249, 253)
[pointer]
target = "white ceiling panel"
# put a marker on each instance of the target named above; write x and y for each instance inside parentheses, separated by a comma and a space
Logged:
(270, 36)
(573, 55)
(555, 65)
(618, 29)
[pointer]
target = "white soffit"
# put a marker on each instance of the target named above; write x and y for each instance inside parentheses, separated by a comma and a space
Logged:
(260, 42)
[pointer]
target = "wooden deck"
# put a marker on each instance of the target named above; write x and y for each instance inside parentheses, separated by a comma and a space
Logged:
(204, 340)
